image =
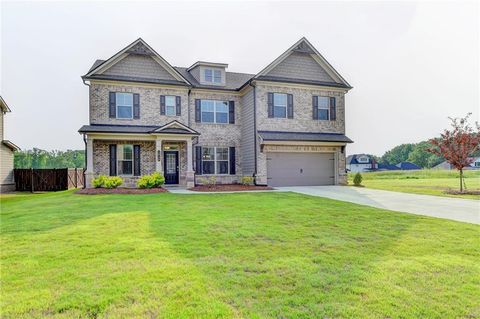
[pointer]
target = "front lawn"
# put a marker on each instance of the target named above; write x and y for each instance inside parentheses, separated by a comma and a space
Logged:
(428, 182)
(255, 255)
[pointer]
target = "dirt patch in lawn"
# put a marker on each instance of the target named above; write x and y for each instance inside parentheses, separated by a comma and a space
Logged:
(229, 188)
(99, 191)
(467, 192)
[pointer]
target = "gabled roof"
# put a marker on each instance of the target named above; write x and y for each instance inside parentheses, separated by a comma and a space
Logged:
(304, 46)
(139, 47)
(408, 166)
(353, 159)
(233, 80)
(3, 105)
(173, 127)
(212, 64)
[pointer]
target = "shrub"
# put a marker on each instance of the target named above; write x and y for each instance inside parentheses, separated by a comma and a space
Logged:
(99, 181)
(246, 180)
(151, 181)
(357, 179)
(113, 182)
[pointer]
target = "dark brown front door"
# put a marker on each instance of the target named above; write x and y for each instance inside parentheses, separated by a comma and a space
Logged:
(170, 167)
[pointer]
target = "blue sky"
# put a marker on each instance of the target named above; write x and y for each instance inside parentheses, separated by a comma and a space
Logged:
(412, 64)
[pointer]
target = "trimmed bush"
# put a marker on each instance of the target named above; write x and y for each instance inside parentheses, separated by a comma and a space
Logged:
(246, 180)
(151, 181)
(357, 179)
(99, 181)
(103, 181)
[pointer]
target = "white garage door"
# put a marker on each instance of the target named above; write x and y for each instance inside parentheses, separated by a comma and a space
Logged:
(300, 169)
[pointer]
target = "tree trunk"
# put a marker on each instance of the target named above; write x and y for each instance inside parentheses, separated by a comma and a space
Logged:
(461, 180)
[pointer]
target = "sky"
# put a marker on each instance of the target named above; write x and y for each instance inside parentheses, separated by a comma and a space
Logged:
(412, 64)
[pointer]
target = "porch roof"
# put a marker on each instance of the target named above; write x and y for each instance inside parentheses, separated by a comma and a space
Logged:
(173, 127)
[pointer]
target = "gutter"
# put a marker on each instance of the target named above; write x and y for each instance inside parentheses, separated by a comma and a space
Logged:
(254, 128)
(86, 156)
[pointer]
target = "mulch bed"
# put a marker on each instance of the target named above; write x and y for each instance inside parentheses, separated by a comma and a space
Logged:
(229, 188)
(99, 191)
(467, 192)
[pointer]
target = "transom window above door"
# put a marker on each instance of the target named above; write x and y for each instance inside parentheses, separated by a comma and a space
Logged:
(124, 105)
(213, 111)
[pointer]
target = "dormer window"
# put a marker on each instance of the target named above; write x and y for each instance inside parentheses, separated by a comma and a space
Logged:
(213, 75)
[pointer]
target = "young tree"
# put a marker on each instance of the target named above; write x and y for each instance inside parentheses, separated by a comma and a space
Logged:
(458, 144)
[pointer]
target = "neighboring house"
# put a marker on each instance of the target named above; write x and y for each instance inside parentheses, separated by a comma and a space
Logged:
(387, 167)
(6, 155)
(408, 166)
(474, 165)
(361, 163)
(284, 125)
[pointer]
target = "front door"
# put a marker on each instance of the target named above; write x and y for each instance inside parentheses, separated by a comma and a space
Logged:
(170, 167)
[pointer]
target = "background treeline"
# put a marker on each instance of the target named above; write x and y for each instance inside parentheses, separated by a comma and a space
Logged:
(37, 158)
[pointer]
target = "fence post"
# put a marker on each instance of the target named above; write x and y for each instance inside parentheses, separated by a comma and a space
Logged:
(31, 180)
(76, 182)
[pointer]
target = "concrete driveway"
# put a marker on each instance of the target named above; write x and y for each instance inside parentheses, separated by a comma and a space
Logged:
(462, 210)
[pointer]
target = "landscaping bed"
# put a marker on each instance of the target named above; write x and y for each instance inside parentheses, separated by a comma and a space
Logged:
(98, 191)
(229, 188)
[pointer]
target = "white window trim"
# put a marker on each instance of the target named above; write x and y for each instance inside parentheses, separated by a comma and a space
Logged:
(323, 108)
(116, 106)
(213, 70)
(119, 160)
(215, 112)
(215, 161)
(286, 106)
(174, 105)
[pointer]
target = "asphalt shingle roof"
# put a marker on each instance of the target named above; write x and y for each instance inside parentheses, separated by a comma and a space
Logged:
(303, 136)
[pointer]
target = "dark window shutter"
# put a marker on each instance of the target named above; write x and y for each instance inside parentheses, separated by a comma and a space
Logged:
(136, 106)
(198, 160)
(198, 111)
(232, 161)
(112, 105)
(270, 104)
(315, 107)
(178, 104)
(290, 106)
(231, 112)
(136, 160)
(162, 104)
(113, 159)
(333, 109)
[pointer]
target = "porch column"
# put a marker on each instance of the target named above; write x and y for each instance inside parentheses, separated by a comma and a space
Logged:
(89, 174)
(158, 156)
(190, 173)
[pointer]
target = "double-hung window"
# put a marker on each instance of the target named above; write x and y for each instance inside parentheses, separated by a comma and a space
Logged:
(124, 104)
(170, 105)
(215, 160)
(125, 159)
(279, 105)
(213, 76)
(323, 108)
(214, 111)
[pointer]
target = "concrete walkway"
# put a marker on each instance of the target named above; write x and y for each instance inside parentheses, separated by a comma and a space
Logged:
(462, 210)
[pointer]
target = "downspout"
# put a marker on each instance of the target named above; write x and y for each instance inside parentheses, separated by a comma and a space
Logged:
(254, 129)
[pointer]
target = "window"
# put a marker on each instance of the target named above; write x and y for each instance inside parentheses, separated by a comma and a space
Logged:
(477, 164)
(215, 160)
(214, 111)
(124, 103)
(125, 159)
(323, 108)
(279, 105)
(170, 105)
(213, 76)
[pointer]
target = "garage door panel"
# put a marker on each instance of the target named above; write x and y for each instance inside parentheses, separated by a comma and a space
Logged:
(300, 169)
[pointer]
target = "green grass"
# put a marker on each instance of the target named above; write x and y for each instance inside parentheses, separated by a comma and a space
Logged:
(428, 182)
(256, 255)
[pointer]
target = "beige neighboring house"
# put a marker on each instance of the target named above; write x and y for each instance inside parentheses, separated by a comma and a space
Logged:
(284, 125)
(6, 155)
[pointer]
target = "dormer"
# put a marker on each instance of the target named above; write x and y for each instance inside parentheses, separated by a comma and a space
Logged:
(209, 73)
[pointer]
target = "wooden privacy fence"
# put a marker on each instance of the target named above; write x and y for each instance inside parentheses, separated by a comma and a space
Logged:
(45, 179)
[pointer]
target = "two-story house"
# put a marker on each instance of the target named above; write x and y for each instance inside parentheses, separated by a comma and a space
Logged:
(284, 125)
(7, 149)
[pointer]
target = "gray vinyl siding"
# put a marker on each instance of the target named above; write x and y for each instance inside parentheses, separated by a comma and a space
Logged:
(247, 145)
(6, 167)
(195, 72)
(139, 66)
(300, 66)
